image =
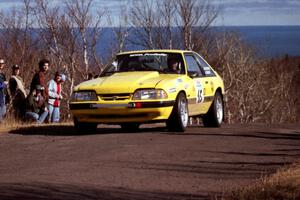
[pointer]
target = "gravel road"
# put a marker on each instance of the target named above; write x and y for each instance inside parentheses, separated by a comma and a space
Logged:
(53, 162)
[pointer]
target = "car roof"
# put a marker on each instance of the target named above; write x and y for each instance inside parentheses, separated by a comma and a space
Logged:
(155, 51)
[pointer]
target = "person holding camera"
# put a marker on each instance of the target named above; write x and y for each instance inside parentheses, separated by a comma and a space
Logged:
(36, 105)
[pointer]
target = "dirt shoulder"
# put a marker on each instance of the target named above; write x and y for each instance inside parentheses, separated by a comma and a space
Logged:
(56, 163)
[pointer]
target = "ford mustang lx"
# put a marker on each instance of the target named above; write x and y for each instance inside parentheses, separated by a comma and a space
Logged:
(150, 86)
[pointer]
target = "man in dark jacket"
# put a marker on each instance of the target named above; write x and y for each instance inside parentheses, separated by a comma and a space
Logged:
(39, 77)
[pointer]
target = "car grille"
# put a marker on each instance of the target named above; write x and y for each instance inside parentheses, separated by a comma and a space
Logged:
(115, 97)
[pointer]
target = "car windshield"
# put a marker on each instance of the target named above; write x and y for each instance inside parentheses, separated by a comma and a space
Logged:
(161, 62)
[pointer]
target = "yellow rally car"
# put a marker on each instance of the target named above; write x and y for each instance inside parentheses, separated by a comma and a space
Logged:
(150, 86)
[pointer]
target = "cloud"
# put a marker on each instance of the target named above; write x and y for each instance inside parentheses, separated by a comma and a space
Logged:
(257, 4)
(258, 12)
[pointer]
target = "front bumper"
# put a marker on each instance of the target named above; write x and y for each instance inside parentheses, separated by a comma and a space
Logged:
(122, 112)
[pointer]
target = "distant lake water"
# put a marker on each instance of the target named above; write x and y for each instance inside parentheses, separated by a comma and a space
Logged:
(270, 41)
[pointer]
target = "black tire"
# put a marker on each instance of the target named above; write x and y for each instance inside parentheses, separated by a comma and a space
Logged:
(130, 127)
(85, 126)
(215, 114)
(178, 119)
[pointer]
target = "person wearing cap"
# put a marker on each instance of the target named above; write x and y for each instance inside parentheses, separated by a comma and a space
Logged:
(36, 105)
(39, 77)
(4, 98)
(17, 92)
(55, 96)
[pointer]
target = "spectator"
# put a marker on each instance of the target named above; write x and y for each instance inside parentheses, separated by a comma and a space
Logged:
(40, 77)
(55, 96)
(17, 92)
(3, 91)
(36, 105)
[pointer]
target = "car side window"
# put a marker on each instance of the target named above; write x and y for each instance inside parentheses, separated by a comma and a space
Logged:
(205, 67)
(192, 66)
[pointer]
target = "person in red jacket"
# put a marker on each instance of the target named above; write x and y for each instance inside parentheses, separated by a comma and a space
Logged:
(55, 96)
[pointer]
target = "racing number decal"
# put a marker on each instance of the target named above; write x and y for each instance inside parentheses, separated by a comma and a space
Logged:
(199, 91)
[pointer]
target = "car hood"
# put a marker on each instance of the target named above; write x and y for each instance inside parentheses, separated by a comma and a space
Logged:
(125, 82)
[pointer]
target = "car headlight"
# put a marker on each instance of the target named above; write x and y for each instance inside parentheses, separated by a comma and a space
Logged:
(147, 94)
(84, 96)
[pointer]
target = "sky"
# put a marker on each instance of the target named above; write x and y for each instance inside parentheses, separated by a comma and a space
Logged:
(232, 12)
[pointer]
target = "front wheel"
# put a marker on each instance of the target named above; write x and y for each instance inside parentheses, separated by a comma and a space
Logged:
(84, 126)
(178, 119)
(215, 114)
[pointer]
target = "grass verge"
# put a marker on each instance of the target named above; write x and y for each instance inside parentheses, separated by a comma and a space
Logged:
(283, 185)
(11, 124)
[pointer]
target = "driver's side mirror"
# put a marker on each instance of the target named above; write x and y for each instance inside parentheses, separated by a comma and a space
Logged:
(193, 74)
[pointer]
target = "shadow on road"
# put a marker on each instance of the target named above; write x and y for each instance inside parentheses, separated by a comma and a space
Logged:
(46, 191)
(256, 154)
(69, 130)
(254, 134)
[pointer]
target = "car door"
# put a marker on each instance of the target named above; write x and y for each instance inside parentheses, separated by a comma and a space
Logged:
(202, 85)
(207, 80)
(195, 73)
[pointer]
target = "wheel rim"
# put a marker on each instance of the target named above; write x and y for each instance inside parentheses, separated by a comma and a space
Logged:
(219, 108)
(183, 112)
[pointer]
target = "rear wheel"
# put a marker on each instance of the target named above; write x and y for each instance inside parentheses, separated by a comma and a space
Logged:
(130, 127)
(84, 126)
(215, 114)
(178, 119)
